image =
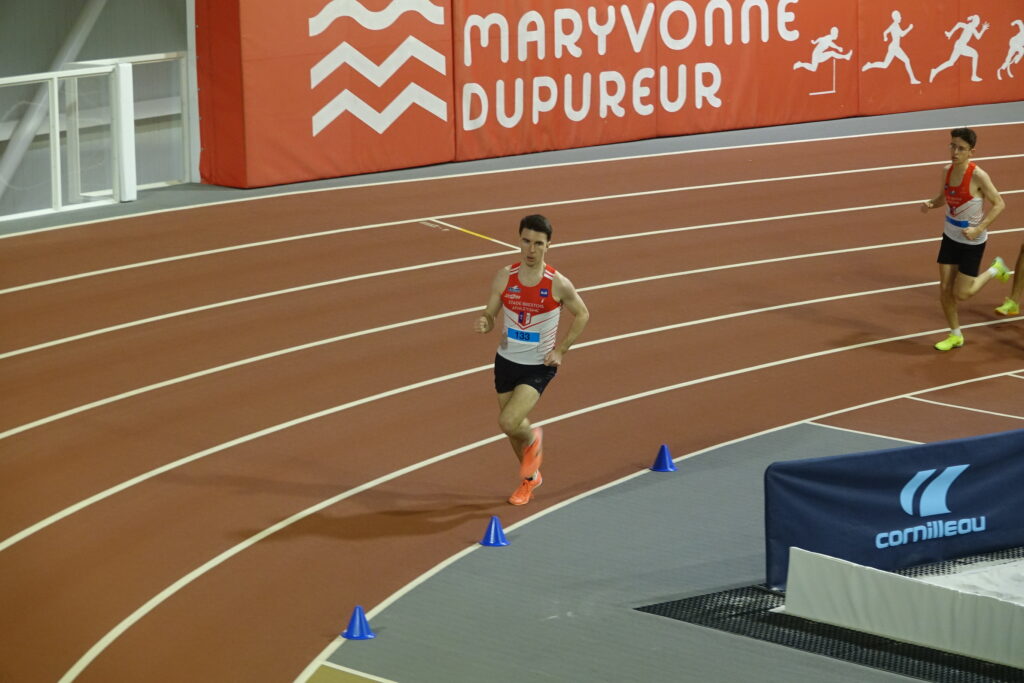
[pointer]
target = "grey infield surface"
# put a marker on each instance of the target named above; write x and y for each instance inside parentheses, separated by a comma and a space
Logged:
(557, 604)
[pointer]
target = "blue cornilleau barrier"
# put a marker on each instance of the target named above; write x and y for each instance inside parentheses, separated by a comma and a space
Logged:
(900, 507)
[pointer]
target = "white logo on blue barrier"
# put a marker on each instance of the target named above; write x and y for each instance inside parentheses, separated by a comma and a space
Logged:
(933, 500)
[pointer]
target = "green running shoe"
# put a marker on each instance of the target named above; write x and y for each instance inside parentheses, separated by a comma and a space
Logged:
(1002, 272)
(1009, 307)
(951, 342)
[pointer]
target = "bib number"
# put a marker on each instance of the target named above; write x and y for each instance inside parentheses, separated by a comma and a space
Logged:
(524, 336)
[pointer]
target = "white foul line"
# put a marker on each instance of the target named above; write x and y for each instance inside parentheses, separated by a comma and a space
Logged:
(860, 431)
(973, 410)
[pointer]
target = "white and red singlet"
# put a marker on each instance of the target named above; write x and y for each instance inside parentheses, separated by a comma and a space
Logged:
(530, 318)
(962, 209)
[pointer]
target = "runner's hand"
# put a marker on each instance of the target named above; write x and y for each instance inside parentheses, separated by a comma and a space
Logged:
(553, 358)
(483, 325)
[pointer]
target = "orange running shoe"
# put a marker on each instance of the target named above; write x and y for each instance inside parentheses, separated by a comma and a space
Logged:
(522, 495)
(532, 454)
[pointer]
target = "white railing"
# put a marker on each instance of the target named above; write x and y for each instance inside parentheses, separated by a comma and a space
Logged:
(124, 113)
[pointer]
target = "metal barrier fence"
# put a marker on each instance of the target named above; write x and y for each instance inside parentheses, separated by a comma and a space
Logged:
(92, 133)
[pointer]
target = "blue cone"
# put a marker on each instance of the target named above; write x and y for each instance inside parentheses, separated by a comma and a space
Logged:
(663, 463)
(358, 626)
(494, 536)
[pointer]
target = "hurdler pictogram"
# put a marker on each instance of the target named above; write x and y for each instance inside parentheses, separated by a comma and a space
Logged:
(825, 49)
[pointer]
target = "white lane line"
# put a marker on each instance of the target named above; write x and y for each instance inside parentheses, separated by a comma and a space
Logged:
(107, 493)
(582, 200)
(960, 407)
(359, 674)
(393, 271)
(333, 646)
(526, 169)
(10, 541)
(227, 366)
(102, 495)
(165, 594)
(246, 438)
(304, 347)
(191, 255)
(232, 302)
(860, 431)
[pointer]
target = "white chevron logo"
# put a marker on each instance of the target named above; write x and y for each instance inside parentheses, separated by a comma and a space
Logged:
(379, 121)
(411, 48)
(373, 21)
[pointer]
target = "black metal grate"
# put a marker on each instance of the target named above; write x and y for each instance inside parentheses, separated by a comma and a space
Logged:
(746, 611)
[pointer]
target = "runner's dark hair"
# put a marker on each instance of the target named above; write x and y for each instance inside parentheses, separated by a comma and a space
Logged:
(965, 134)
(537, 223)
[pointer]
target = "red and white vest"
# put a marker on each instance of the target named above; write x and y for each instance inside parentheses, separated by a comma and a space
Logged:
(962, 210)
(530, 318)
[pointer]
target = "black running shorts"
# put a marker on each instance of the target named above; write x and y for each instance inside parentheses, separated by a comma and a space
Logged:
(965, 256)
(509, 375)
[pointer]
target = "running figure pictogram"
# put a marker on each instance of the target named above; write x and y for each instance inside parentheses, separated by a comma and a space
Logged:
(893, 35)
(825, 48)
(1016, 51)
(968, 31)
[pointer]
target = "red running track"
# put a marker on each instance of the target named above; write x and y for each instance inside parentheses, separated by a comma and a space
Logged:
(211, 448)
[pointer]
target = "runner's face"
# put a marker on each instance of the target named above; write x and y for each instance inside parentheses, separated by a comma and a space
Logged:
(959, 150)
(533, 245)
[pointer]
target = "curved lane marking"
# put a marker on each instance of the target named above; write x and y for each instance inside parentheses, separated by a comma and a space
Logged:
(168, 592)
(582, 200)
(113, 490)
(465, 311)
(393, 271)
(247, 299)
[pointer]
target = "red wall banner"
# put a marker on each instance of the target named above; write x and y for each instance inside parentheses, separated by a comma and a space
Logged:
(328, 88)
(322, 88)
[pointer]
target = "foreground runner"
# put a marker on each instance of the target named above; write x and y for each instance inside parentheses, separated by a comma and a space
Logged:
(530, 294)
(964, 190)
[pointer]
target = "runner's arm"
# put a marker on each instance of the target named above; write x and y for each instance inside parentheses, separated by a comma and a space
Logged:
(567, 295)
(485, 321)
(995, 200)
(938, 199)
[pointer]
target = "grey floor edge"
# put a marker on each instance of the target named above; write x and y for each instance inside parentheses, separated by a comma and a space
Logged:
(189, 194)
(557, 604)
